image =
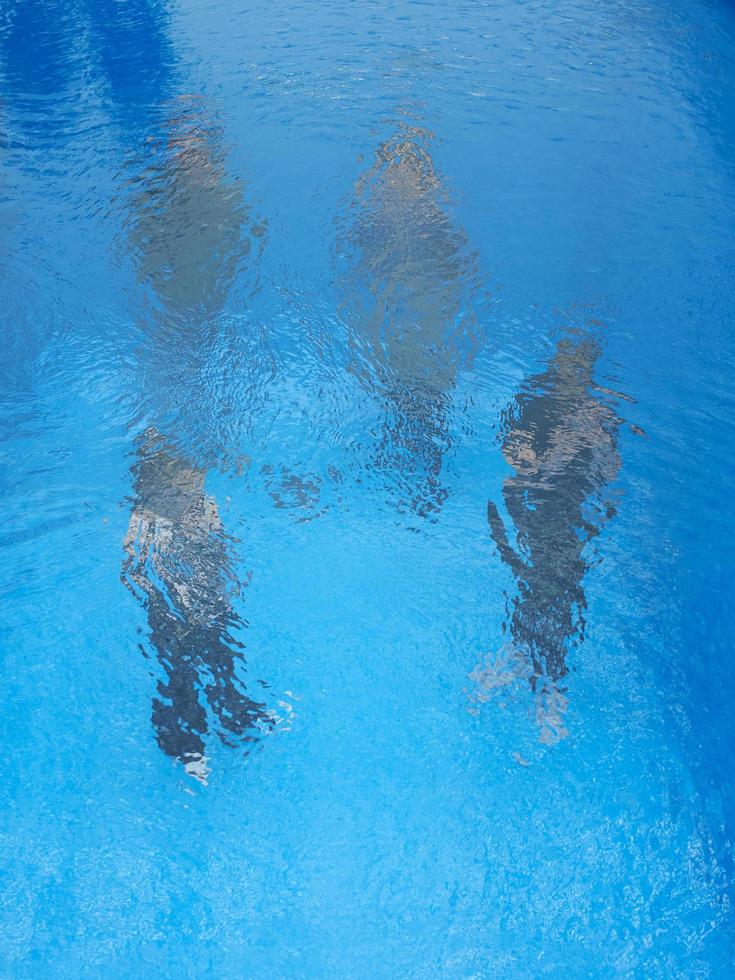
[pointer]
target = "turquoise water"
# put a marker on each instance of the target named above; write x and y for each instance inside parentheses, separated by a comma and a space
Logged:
(367, 536)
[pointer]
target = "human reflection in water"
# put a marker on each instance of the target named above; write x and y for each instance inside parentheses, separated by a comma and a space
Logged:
(404, 299)
(178, 563)
(189, 227)
(561, 440)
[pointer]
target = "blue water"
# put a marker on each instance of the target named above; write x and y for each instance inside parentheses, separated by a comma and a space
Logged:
(367, 428)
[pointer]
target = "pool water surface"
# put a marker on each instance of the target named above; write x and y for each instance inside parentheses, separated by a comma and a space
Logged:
(367, 426)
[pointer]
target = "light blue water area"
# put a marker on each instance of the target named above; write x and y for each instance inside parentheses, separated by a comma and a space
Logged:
(367, 414)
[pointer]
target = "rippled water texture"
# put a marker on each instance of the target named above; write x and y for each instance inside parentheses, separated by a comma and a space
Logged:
(366, 406)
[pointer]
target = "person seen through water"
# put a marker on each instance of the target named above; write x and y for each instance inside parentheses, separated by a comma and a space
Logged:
(560, 439)
(405, 300)
(178, 562)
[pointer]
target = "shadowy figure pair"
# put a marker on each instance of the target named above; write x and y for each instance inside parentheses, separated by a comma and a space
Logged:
(189, 230)
(409, 300)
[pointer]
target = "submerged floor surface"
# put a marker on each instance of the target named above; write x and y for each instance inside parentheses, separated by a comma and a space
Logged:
(367, 534)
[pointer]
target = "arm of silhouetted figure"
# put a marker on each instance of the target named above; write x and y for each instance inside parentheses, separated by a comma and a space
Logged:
(500, 537)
